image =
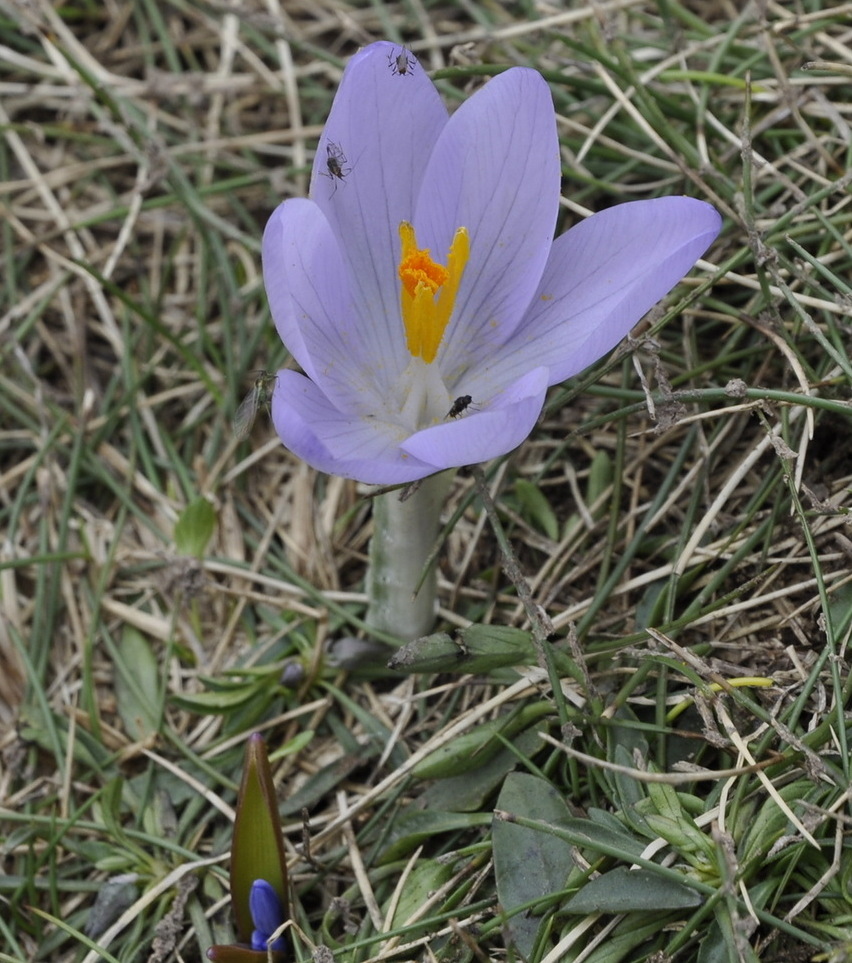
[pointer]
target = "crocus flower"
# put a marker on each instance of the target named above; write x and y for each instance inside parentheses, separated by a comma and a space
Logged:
(420, 288)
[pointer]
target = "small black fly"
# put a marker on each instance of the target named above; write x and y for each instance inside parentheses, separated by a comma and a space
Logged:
(460, 406)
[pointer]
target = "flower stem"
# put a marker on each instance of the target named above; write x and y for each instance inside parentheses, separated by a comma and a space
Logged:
(404, 535)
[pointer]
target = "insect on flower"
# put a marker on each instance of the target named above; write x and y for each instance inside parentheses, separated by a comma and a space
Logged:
(335, 164)
(259, 395)
(460, 406)
(401, 63)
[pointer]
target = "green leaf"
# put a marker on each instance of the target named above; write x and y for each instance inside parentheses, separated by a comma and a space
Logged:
(476, 747)
(765, 826)
(212, 703)
(528, 865)
(536, 508)
(195, 527)
(257, 849)
(602, 839)
(624, 890)
(600, 478)
(426, 876)
(634, 930)
(419, 826)
(137, 685)
(469, 792)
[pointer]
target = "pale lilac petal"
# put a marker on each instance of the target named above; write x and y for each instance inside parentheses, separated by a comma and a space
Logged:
(386, 125)
(340, 443)
(495, 170)
(311, 304)
(530, 312)
(602, 277)
(481, 435)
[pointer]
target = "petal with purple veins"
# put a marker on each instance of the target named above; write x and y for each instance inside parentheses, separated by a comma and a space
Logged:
(339, 443)
(482, 435)
(310, 299)
(385, 125)
(602, 277)
(495, 170)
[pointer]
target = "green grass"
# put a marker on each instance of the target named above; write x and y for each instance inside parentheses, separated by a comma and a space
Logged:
(681, 512)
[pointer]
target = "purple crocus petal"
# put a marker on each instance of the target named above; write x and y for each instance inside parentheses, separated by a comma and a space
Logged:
(306, 284)
(267, 915)
(529, 312)
(481, 435)
(364, 448)
(495, 170)
(602, 276)
(386, 125)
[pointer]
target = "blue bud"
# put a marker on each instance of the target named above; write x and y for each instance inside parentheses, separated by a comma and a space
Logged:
(267, 914)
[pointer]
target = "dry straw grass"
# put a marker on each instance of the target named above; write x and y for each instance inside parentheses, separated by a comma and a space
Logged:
(681, 513)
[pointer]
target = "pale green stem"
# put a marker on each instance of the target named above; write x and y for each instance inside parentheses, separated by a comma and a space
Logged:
(404, 535)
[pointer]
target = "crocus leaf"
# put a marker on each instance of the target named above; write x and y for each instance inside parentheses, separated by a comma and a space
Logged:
(414, 828)
(469, 792)
(623, 890)
(257, 849)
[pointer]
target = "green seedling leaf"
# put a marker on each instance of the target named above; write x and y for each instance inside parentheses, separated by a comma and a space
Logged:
(475, 748)
(213, 703)
(195, 527)
(629, 792)
(536, 508)
(769, 823)
(672, 822)
(416, 827)
(426, 876)
(469, 792)
(528, 865)
(624, 890)
(137, 685)
(600, 478)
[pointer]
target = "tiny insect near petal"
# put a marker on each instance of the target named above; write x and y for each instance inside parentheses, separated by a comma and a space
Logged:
(335, 162)
(401, 63)
(460, 405)
(247, 411)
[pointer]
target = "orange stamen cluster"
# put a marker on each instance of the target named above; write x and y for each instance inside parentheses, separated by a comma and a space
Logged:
(429, 290)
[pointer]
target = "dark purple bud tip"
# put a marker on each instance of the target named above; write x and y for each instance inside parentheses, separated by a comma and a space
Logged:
(267, 914)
